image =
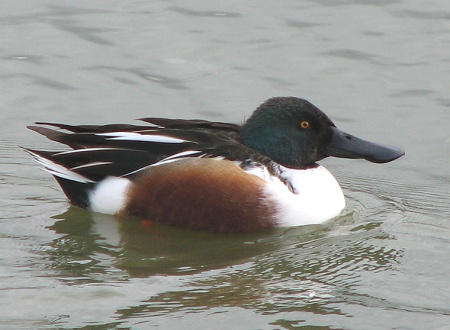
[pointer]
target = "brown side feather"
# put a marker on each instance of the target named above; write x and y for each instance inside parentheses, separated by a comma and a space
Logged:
(202, 194)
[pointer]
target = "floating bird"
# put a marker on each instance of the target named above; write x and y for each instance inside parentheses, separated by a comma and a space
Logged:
(206, 175)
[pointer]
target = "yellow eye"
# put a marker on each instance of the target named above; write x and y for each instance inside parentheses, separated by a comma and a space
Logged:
(305, 124)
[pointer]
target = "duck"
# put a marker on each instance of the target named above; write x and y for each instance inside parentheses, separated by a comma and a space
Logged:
(207, 175)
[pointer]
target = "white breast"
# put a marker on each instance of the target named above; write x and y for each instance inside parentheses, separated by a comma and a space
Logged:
(319, 197)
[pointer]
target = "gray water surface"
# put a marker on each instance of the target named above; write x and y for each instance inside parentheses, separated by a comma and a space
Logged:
(379, 69)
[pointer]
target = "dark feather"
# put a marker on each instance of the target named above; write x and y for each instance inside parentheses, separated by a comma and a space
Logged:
(98, 156)
(97, 128)
(76, 192)
(190, 124)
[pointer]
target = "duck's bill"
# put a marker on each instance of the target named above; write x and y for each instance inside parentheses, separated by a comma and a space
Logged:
(348, 146)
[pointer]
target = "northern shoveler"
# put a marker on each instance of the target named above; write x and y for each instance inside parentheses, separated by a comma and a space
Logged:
(210, 175)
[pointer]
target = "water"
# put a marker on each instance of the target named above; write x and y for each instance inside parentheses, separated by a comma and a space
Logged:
(379, 69)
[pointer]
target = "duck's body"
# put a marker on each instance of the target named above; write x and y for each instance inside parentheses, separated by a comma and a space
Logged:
(218, 195)
(208, 175)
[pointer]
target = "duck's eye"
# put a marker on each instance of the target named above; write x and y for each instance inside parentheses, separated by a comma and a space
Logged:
(305, 124)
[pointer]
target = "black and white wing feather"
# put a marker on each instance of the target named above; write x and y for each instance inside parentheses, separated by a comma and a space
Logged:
(125, 150)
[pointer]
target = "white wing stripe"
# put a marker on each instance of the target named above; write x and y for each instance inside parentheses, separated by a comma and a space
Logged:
(131, 136)
(173, 158)
(68, 152)
(59, 170)
(182, 154)
(90, 165)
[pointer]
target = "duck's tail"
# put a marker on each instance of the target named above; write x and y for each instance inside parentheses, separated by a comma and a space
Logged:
(75, 186)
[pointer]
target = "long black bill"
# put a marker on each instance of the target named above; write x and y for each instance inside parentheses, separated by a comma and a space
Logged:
(348, 146)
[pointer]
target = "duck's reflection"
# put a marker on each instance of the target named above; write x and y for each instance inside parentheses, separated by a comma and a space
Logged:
(92, 245)
(303, 268)
(92, 240)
